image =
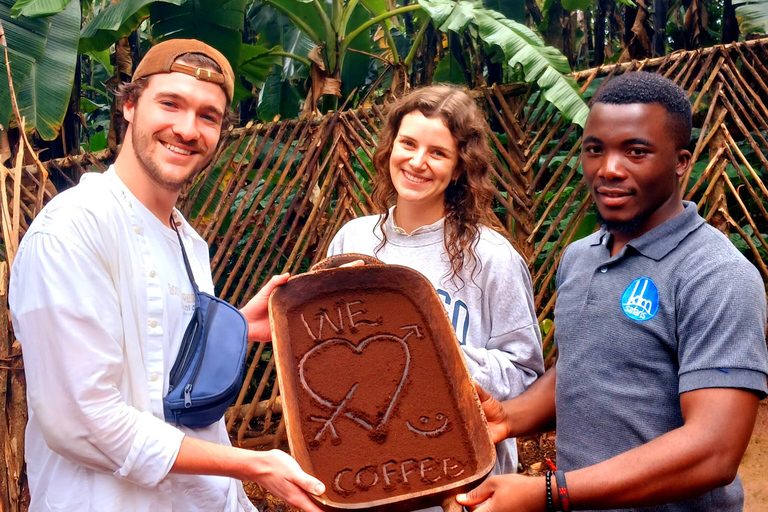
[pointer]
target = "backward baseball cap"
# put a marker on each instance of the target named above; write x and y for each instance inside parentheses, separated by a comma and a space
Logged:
(161, 58)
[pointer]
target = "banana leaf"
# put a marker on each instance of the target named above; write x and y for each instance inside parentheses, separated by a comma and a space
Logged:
(752, 16)
(218, 23)
(541, 64)
(43, 57)
(116, 22)
(38, 8)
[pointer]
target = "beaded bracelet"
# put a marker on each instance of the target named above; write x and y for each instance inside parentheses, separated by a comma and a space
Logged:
(562, 491)
(550, 504)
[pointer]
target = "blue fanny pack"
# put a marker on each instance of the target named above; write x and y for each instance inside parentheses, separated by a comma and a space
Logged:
(208, 372)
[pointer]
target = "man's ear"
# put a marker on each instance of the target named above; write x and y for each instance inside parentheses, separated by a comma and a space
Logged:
(683, 162)
(129, 107)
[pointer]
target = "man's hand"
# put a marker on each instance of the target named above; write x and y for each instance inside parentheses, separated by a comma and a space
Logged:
(275, 470)
(256, 312)
(494, 413)
(507, 493)
(282, 475)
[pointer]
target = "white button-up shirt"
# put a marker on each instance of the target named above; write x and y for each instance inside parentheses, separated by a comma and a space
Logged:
(91, 306)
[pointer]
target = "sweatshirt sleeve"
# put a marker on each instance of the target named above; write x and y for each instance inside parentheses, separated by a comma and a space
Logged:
(510, 359)
(66, 314)
(337, 244)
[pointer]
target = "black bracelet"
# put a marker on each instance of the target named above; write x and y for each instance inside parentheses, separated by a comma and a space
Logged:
(550, 504)
(562, 491)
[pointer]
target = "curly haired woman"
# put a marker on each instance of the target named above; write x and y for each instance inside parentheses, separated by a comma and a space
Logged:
(434, 193)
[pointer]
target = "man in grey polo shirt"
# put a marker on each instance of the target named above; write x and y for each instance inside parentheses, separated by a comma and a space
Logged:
(660, 325)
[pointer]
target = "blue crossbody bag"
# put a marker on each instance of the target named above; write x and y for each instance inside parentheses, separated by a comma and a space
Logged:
(208, 372)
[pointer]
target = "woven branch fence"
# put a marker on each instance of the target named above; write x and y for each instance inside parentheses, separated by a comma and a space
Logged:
(278, 192)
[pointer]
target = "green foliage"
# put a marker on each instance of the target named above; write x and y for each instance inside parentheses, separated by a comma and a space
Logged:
(742, 245)
(102, 57)
(256, 62)
(216, 22)
(576, 5)
(520, 45)
(278, 99)
(40, 49)
(115, 22)
(38, 8)
(449, 70)
(514, 10)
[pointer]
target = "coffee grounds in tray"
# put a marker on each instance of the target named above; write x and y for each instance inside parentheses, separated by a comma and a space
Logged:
(379, 414)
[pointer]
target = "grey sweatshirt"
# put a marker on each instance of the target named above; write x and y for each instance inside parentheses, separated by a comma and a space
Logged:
(492, 313)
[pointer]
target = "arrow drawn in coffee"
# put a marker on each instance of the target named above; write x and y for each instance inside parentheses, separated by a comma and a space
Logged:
(386, 400)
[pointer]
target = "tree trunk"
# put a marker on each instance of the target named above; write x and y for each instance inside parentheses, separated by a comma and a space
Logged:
(730, 25)
(408, 18)
(533, 11)
(659, 27)
(426, 58)
(602, 10)
(457, 51)
(588, 31)
(123, 62)
(615, 22)
(558, 31)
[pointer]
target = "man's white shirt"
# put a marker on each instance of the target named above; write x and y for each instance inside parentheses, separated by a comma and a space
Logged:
(99, 300)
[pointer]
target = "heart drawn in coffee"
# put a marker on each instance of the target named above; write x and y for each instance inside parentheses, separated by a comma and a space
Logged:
(361, 382)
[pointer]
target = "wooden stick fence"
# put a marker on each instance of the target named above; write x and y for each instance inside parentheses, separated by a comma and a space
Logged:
(277, 193)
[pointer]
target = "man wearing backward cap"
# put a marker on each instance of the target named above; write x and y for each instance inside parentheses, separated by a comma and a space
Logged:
(100, 298)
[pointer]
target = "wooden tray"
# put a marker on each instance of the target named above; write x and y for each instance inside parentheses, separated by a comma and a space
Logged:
(377, 398)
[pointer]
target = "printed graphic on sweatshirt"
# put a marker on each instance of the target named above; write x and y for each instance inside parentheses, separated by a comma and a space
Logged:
(640, 301)
(458, 314)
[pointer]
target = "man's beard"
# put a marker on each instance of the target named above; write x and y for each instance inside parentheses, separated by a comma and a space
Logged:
(626, 227)
(141, 142)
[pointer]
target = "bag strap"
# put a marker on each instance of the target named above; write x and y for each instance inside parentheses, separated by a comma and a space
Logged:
(186, 260)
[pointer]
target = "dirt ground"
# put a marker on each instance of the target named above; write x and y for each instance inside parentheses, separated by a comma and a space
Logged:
(534, 450)
(754, 465)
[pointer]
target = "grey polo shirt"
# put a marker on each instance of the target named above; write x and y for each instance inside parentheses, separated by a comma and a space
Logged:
(677, 309)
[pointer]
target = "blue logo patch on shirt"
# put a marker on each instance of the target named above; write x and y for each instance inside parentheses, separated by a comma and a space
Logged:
(640, 301)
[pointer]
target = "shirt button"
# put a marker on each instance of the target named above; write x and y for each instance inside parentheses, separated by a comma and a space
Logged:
(603, 269)
(154, 377)
(137, 230)
(153, 323)
(151, 273)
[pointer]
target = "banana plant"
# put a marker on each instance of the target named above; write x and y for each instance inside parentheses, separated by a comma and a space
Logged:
(38, 49)
(115, 22)
(339, 29)
(752, 16)
(519, 45)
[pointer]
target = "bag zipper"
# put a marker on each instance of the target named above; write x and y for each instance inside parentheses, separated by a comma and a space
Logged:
(182, 363)
(212, 307)
(213, 403)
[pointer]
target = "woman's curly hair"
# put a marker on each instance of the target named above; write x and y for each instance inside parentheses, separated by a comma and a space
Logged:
(470, 193)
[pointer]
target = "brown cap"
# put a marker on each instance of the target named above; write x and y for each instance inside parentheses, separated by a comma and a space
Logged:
(161, 58)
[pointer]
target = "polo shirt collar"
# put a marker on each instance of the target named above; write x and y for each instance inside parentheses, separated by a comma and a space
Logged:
(662, 239)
